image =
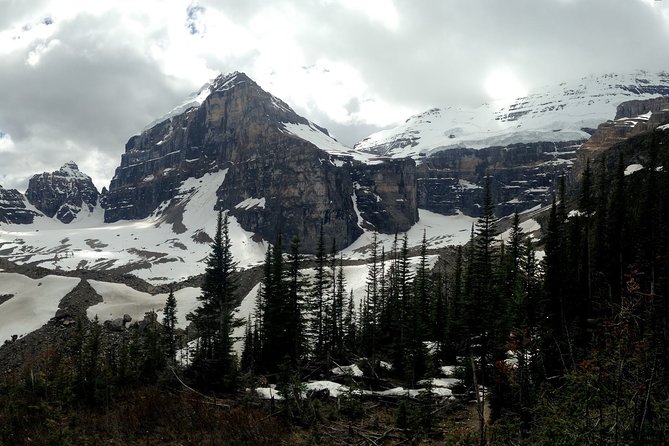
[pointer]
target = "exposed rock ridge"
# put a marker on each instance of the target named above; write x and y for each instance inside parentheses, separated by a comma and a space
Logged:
(63, 194)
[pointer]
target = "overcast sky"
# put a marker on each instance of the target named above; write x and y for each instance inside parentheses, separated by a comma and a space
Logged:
(79, 77)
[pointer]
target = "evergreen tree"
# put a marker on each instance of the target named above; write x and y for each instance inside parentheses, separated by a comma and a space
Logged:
(318, 299)
(169, 327)
(295, 321)
(214, 318)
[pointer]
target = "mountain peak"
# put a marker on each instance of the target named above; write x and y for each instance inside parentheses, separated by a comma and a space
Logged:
(227, 81)
(71, 170)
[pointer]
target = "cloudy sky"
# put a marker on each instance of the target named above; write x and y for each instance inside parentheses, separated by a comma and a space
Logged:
(79, 77)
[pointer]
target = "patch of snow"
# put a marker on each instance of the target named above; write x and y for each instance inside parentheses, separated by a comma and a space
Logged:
(119, 299)
(441, 231)
(250, 203)
(528, 227)
(352, 370)
(632, 168)
(33, 303)
(448, 370)
(327, 143)
(335, 389)
(385, 365)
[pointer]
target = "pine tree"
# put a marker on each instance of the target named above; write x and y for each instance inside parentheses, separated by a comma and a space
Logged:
(318, 299)
(214, 319)
(370, 317)
(247, 360)
(169, 327)
(276, 347)
(295, 321)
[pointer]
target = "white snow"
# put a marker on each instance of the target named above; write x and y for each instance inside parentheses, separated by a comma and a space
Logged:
(441, 231)
(352, 370)
(335, 389)
(386, 365)
(552, 113)
(528, 227)
(34, 302)
(120, 299)
(158, 253)
(632, 168)
(327, 143)
(71, 170)
(663, 127)
(448, 370)
(250, 203)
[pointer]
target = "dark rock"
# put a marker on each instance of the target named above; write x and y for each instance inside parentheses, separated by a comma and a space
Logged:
(275, 180)
(13, 208)
(524, 176)
(63, 193)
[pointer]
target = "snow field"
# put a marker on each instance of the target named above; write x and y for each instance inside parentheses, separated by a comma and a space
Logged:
(440, 231)
(34, 302)
(120, 299)
(161, 255)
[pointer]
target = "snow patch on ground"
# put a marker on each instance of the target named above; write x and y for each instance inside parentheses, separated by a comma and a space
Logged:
(33, 303)
(120, 299)
(352, 370)
(159, 254)
(440, 231)
(528, 227)
(632, 168)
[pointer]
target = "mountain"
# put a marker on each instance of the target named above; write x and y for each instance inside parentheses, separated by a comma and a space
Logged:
(63, 194)
(566, 112)
(283, 173)
(13, 207)
(525, 146)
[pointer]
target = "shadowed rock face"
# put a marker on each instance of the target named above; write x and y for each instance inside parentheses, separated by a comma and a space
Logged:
(13, 207)
(276, 181)
(63, 193)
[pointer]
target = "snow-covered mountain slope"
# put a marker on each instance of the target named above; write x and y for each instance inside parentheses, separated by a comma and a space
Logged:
(164, 247)
(566, 112)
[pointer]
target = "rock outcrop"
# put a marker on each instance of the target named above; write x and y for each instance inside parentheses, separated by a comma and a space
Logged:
(277, 179)
(64, 193)
(13, 207)
(633, 118)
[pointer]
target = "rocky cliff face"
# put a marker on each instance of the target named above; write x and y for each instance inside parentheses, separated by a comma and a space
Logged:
(633, 118)
(387, 195)
(523, 177)
(283, 172)
(62, 194)
(13, 207)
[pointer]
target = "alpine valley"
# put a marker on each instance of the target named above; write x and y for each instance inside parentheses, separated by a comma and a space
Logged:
(69, 251)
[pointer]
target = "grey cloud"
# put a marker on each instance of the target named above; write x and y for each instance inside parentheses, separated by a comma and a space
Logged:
(96, 88)
(91, 91)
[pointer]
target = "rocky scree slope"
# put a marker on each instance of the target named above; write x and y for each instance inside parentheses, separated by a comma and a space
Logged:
(284, 173)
